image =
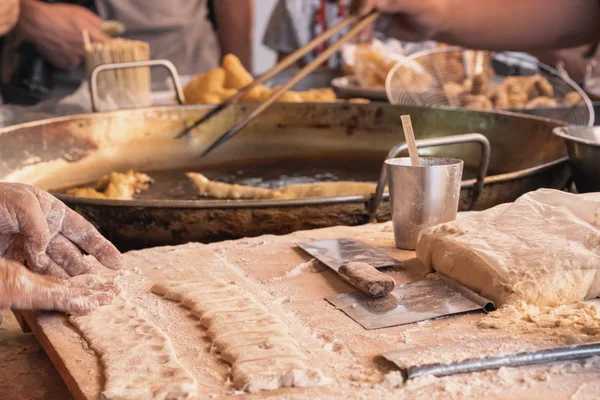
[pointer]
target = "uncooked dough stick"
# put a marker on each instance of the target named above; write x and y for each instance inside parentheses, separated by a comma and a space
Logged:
(229, 294)
(201, 309)
(265, 350)
(208, 321)
(177, 292)
(248, 311)
(209, 299)
(273, 373)
(138, 358)
(241, 325)
(250, 338)
(264, 356)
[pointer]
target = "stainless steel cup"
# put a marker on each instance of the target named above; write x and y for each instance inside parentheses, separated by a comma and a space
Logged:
(422, 196)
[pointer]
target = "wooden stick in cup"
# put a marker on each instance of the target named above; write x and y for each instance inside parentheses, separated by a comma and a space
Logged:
(410, 140)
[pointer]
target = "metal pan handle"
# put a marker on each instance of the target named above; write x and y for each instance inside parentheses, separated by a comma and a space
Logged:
(135, 64)
(442, 141)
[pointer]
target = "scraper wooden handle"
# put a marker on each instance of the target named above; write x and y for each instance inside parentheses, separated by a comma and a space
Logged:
(367, 278)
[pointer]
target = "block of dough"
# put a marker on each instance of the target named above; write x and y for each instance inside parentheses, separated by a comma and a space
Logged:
(138, 358)
(243, 326)
(270, 374)
(248, 338)
(222, 318)
(543, 249)
(266, 350)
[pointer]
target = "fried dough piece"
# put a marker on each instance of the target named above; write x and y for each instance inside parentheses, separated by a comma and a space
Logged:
(205, 88)
(573, 98)
(325, 95)
(236, 75)
(222, 190)
(542, 102)
(116, 186)
(537, 86)
(478, 102)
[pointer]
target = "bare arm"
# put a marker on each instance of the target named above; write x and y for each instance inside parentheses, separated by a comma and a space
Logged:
(55, 29)
(520, 24)
(235, 28)
(9, 13)
(494, 25)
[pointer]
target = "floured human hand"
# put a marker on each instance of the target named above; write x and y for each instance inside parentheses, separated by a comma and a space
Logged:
(38, 229)
(22, 289)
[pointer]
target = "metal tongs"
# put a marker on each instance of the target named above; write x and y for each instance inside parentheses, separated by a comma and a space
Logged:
(360, 24)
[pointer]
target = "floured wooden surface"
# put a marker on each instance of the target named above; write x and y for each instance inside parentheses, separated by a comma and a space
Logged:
(286, 280)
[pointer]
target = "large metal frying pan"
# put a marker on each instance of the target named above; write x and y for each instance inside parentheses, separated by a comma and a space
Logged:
(62, 152)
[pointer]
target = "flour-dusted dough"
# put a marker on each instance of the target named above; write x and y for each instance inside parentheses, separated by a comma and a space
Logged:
(177, 291)
(138, 358)
(200, 309)
(273, 373)
(257, 344)
(251, 313)
(242, 326)
(543, 249)
(268, 349)
(276, 333)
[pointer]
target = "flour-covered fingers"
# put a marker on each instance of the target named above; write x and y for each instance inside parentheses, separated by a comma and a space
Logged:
(24, 290)
(64, 253)
(32, 227)
(82, 233)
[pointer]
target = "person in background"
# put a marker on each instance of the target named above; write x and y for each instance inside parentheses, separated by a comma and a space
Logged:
(178, 30)
(294, 23)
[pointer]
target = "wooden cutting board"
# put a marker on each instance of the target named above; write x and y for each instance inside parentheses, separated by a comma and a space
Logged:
(294, 287)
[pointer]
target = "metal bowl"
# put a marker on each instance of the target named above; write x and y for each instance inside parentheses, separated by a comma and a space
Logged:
(583, 147)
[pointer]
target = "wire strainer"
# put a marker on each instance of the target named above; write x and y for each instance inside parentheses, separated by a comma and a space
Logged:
(455, 77)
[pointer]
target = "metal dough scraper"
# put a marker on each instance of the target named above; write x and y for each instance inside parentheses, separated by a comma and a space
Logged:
(411, 302)
(356, 262)
(407, 303)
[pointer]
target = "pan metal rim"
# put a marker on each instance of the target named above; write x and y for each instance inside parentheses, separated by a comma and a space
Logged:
(175, 108)
(562, 133)
(240, 204)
